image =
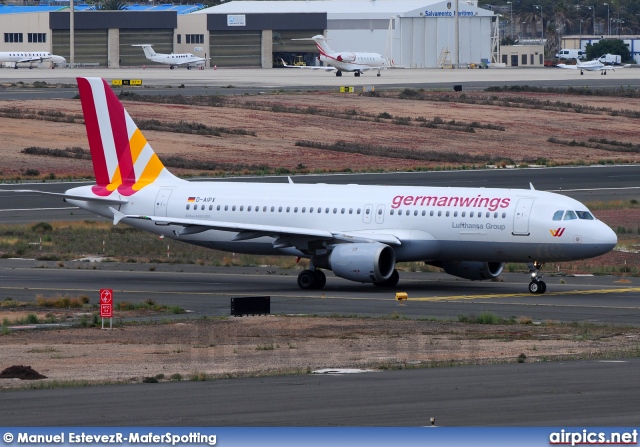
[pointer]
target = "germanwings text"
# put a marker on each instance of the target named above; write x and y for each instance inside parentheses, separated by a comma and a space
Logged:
(491, 204)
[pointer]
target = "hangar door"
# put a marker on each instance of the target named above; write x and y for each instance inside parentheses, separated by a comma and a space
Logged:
(236, 48)
(288, 49)
(162, 40)
(90, 45)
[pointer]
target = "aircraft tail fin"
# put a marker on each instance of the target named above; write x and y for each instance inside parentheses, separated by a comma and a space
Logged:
(148, 50)
(122, 158)
(322, 45)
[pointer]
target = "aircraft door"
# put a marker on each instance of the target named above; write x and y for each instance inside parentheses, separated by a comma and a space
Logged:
(366, 216)
(521, 217)
(380, 214)
(162, 200)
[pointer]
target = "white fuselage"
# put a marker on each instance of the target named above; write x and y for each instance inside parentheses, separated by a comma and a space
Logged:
(30, 56)
(348, 61)
(178, 59)
(489, 225)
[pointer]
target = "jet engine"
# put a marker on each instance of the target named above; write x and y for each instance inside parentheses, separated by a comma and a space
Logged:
(363, 262)
(475, 271)
(346, 57)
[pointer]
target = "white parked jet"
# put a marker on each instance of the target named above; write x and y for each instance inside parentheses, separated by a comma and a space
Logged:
(359, 232)
(30, 57)
(593, 65)
(173, 60)
(341, 61)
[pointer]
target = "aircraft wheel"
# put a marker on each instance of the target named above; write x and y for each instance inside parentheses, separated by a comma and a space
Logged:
(320, 279)
(16, 66)
(338, 73)
(537, 287)
(392, 281)
(188, 68)
(357, 74)
(172, 67)
(378, 75)
(306, 279)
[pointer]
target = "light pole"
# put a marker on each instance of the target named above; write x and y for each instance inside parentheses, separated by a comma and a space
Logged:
(542, 24)
(511, 21)
(581, 31)
(608, 22)
(593, 10)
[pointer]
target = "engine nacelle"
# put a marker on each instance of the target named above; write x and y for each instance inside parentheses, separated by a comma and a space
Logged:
(473, 270)
(346, 57)
(369, 262)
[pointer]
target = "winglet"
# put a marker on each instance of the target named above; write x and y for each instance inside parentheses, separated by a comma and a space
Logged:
(290, 181)
(117, 215)
(531, 186)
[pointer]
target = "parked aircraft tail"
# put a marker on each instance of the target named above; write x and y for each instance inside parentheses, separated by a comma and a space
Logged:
(148, 50)
(122, 158)
(322, 45)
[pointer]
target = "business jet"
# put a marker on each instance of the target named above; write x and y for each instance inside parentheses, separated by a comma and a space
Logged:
(594, 65)
(173, 60)
(358, 232)
(30, 57)
(340, 61)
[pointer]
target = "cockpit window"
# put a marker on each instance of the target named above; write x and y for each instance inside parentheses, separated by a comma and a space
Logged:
(570, 215)
(558, 215)
(585, 215)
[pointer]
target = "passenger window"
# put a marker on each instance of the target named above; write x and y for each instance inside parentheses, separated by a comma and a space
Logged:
(233, 208)
(310, 210)
(326, 210)
(455, 214)
(439, 213)
(585, 215)
(415, 213)
(504, 215)
(248, 208)
(304, 209)
(218, 208)
(391, 212)
(464, 213)
(295, 210)
(380, 212)
(447, 215)
(335, 210)
(226, 207)
(570, 215)
(558, 215)
(431, 213)
(487, 215)
(242, 208)
(358, 211)
(424, 213)
(202, 207)
(288, 208)
(495, 215)
(210, 207)
(350, 210)
(342, 211)
(273, 209)
(188, 206)
(279, 209)
(471, 214)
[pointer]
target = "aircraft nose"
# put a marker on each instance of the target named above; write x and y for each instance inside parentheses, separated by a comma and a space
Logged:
(605, 240)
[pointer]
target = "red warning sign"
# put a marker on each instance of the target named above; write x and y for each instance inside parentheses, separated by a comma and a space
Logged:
(106, 303)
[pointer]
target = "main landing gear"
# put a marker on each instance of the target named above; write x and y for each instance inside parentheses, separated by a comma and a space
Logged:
(311, 279)
(357, 74)
(338, 73)
(536, 285)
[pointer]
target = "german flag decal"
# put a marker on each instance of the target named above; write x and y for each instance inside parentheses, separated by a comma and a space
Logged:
(191, 199)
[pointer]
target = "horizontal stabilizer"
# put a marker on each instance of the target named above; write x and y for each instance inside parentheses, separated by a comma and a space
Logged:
(100, 200)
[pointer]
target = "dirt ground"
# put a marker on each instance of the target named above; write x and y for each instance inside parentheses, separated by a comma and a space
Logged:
(524, 138)
(263, 345)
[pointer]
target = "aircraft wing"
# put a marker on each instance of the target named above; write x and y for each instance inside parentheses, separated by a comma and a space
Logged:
(197, 61)
(285, 236)
(34, 59)
(100, 200)
(570, 67)
(308, 67)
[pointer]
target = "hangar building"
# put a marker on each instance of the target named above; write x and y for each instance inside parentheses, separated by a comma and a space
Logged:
(414, 33)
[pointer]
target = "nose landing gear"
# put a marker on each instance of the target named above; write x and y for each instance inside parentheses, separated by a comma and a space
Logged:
(536, 285)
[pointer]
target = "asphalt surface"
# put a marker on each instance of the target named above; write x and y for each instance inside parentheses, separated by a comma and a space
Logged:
(567, 393)
(577, 394)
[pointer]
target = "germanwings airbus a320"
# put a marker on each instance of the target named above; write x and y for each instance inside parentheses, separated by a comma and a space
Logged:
(341, 61)
(358, 232)
(173, 60)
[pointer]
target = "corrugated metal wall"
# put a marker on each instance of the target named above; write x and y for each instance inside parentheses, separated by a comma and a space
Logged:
(162, 40)
(90, 45)
(235, 48)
